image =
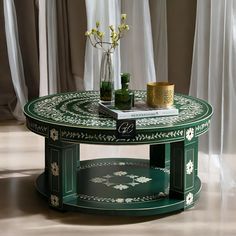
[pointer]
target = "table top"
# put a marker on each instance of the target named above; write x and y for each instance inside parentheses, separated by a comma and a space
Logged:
(74, 117)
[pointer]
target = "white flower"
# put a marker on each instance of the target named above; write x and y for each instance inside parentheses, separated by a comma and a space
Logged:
(189, 199)
(107, 176)
(121, 186)
(142, 179)
(133, 184)
(120, 200)
(128, 200)
(190, 134)
(54, 169)
(132, 176)
(189, 167)
(108, 184)
(161, 194)
(121, 163)
(54, 134)
(120, 173)
(97, 180)
(54, 200)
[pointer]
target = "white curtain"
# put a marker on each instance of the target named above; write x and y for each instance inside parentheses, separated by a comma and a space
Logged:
(108, 13)
(48, 63)
(15, 58)
(214, 79)
(137, 46)
(159, 33)
(136, 54)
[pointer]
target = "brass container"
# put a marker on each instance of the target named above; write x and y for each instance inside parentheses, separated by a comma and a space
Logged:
(160, 94)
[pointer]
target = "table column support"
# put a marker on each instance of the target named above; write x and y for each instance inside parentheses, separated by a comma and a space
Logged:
(61, 163)
(160, 155)
(183, 170)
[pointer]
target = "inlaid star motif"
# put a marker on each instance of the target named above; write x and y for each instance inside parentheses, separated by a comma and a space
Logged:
(189, 167)
(54, 134)
(189, 134)
(189, 199)
(54, 200)
(54, 169)
(121, 186)
(126, 180)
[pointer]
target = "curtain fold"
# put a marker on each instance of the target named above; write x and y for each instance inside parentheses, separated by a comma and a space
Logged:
(48, 62)
(27, 21)
(43, 60)
(6, 88)
(77, 24)
(65, 78)
(15, 58)
(213, 70)
(108, 13)
(66, 62)
(213, 79)
(158, 12)
(137, 55)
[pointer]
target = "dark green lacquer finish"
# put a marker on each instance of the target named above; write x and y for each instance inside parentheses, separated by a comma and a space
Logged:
(122, 187)
(167, 182)
(61, 162)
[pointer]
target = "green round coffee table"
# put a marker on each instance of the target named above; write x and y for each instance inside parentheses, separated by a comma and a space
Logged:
(165, 182)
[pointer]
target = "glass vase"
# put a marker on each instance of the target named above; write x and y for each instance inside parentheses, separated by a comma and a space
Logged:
(106, 78)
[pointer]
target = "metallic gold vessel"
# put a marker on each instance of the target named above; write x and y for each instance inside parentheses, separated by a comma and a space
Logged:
(160, 94)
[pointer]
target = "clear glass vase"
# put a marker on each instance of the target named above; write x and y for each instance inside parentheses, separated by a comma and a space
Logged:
(106, 78)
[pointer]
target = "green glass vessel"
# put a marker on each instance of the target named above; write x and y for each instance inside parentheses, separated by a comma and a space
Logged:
(106, 78)
(124, 98)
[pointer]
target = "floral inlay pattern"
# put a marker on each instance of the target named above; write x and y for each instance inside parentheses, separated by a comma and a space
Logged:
(54, 169)
(189, 167)
(189, 199)
(131, 180)
(122, 180)
(54, 134)
(76, 108)
(189, 134)
(123, 200)
(54, 200)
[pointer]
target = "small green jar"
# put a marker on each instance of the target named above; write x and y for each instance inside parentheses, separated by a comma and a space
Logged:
(124, 98)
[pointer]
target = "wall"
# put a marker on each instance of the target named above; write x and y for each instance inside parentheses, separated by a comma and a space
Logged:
(181, 16)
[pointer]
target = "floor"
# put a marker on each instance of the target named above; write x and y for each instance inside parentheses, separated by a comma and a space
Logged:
(24, 212)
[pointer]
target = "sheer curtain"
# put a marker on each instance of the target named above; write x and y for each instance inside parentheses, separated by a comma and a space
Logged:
(108, 13)
(136, 52)
(214, 79)
(15, 58)
(47, 47)
(143, 50)
(137, 46)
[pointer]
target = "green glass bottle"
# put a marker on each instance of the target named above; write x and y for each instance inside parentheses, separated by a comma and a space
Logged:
(124, 98)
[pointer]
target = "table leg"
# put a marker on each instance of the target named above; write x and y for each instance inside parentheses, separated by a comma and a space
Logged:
(183, 170)
(61, 163)
(160, 155)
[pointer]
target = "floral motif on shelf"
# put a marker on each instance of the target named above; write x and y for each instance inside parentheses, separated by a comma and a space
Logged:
(131, 180)
(124, 200)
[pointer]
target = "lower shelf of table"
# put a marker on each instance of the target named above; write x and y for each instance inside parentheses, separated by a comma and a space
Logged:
(121, 186)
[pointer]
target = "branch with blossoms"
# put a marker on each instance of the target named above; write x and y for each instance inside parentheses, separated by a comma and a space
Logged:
(96, 36)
